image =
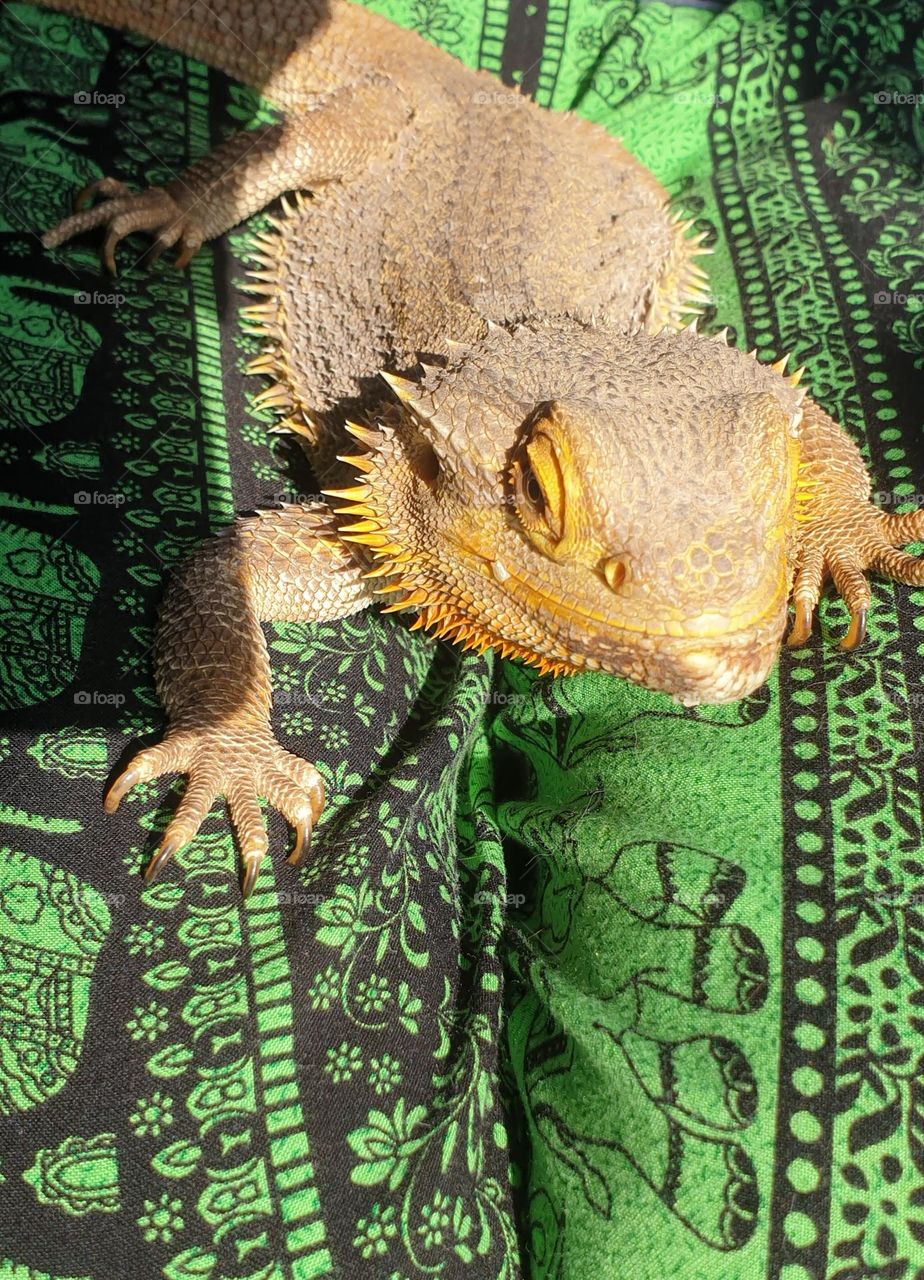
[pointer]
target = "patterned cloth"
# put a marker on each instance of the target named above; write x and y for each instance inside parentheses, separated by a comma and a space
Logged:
(578, 983)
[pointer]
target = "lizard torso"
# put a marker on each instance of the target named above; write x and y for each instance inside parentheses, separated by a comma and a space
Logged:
(456, 222)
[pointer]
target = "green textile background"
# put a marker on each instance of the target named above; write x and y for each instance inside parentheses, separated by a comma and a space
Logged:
(579, 983)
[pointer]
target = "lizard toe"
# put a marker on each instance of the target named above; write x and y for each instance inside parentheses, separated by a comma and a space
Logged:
(853, 586)
(250, 828)
(306, 779)
(105, 187)
(299, 807)
(200, 794)
(899, 528)
(164, 757)
(122, 213)
(85, 220)
(899, 565)
(806, 594)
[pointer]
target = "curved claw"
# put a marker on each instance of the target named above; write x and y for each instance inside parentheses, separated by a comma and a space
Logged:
(127, 779)
(251, 871)
(166, 240)
(160, 860)
(856, 633)
(801, 630)
(186, 255)
(302, 843)
(110, 244)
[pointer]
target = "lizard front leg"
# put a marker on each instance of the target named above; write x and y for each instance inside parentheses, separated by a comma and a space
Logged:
(841, 534)
(213, 676)
(330, 141)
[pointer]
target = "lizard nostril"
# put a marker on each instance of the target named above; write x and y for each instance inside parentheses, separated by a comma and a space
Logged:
(614, 571)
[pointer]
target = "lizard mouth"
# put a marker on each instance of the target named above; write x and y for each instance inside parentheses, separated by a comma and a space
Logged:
(691, 670)
(719, 673)
(709, 657)
(706, 626)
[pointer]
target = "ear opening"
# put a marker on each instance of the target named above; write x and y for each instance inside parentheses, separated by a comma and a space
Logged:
(425, 463)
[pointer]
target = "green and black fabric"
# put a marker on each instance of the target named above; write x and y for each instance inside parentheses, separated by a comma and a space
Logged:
(578, 983)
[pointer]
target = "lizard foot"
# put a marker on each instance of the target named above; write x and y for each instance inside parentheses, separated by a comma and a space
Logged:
(241, 764)
(123, 212)
(841, 536)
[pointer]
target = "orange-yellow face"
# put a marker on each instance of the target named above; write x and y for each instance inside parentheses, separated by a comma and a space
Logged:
(593, 501)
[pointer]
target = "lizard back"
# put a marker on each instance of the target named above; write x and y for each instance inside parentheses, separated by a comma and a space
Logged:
(461, 222)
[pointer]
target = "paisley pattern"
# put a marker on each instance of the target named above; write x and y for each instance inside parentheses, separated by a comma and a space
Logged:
(574, 974)
(80, 1176)
(52, 926)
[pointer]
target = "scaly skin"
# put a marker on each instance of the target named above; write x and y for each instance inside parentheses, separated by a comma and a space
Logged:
(566, 478)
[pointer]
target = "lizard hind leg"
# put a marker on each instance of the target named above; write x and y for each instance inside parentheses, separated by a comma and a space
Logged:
(246, 172)
(328, 143)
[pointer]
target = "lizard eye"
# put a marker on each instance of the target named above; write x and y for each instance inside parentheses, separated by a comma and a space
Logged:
(531, 488)
(539, 488)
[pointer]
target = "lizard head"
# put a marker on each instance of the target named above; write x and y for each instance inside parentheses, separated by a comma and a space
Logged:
(585, 499)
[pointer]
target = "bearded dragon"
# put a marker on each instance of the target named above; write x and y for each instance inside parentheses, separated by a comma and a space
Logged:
(475, 326)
